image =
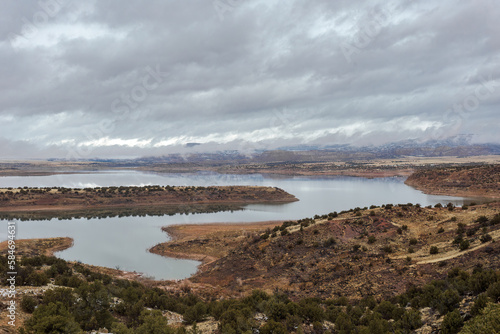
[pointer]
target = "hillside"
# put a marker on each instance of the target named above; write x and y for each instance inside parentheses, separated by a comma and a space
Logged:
(377, 251)
(467, 181)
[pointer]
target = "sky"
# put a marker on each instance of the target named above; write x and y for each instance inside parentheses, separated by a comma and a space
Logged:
(123, 79)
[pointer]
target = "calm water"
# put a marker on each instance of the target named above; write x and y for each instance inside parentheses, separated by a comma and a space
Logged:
(123, 242)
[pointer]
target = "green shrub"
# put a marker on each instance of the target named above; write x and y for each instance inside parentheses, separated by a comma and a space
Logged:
(494, 291)
(452, 323)
(273, 327)
(479, 304)
(434, 250)
(448, 301)
(29, 303)
(486, 323)
(195, 313)
(52, 318)
(411, 320)
(465, 244)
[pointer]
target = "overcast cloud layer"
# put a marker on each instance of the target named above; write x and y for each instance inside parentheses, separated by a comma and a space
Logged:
(85, 79)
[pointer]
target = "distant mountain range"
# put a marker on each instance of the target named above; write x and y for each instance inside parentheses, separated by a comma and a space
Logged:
(452, 147)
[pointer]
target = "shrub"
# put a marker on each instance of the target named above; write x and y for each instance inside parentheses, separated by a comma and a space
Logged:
(487, 322)
(329, 242)
(482, 219)
(485, 238)
(479, 304)
(371, 239)
(441, 230)
(195, 313)
(494, 291)
(52, 318)
(387, 249)
(29, 303)
(470, 232)
(434, 250)
(413, 241)
(460, 228)
(465, 244)
(273, 327)
(448, 301)
(495, 220)
(411, 320)
(458, 239)
(452, 323)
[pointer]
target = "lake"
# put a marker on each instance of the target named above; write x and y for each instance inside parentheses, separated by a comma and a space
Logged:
(123, 242)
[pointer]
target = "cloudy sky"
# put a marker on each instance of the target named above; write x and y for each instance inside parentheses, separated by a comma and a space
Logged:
(85, 79)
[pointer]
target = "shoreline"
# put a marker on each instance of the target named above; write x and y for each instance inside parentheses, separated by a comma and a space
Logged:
(43, 246)
(494, 196)
(195, 233)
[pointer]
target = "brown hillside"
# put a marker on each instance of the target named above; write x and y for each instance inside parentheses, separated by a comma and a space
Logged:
(357, 253)
(468, 181)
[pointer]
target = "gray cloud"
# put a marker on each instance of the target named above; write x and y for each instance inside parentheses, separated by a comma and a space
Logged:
(77, 78)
